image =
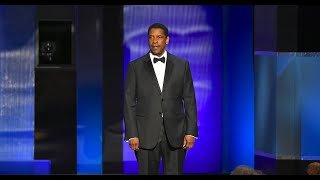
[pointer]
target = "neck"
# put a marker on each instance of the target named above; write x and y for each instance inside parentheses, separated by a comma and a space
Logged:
(157, 55)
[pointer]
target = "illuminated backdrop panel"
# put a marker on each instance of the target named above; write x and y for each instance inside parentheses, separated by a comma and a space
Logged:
(17, 30)
(195, 34)
(287, 113)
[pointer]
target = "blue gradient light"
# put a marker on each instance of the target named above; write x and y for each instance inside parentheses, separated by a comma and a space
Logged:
(195, 34)
(32, 167)
(89, 96)
(238, 98)
(309, 94)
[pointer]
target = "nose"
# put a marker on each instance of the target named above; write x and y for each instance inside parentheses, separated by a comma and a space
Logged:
(155, 40)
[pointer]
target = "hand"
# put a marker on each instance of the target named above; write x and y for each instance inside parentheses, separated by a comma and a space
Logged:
(188, 142)
(134, 143)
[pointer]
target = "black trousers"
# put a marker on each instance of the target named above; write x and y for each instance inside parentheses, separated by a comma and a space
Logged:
(172, 158)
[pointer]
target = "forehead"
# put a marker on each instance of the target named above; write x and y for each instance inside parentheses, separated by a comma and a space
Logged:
(156, 31)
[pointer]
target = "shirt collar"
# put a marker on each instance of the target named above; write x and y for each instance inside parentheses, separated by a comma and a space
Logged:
(165, 54)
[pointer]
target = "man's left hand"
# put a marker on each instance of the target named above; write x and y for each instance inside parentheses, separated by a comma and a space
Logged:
(188, 142)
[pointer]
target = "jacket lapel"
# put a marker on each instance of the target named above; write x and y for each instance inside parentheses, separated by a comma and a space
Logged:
(151, 74)
(169, 67)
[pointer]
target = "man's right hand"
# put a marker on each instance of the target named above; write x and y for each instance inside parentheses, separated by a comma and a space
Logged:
(134, 143)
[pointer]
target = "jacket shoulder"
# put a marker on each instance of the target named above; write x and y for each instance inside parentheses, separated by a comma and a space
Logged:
(178, 59)
(138, 60)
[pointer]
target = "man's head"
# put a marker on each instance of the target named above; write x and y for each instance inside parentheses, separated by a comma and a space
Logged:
(313, 168)
(158, 38)
(245, 170)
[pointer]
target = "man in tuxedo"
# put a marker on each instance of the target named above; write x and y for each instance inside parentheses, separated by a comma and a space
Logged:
(160, 110)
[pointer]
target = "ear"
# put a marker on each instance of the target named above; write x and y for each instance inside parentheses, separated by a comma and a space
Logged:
(167, 40)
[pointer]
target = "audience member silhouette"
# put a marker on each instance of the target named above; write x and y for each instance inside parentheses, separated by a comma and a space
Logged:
(245, 170)
(313, 168)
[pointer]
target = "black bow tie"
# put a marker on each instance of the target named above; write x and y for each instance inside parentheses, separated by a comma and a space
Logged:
(155, 60)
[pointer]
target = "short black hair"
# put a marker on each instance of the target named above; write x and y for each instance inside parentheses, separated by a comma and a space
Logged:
(161, 26)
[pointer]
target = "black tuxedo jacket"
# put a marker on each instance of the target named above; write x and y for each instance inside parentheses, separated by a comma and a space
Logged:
(144, 103)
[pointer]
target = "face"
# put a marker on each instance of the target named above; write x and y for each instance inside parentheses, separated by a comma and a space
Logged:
(157, 41)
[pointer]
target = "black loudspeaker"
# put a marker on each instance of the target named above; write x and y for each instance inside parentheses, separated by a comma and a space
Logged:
(55, 45)
(55, 97)
(55, 127)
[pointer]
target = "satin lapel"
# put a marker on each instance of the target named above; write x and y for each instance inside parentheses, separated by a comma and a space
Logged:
(167, 75)
(151, 74)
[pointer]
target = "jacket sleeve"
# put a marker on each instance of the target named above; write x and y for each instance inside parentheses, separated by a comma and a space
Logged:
(190, 104)
(130, 104)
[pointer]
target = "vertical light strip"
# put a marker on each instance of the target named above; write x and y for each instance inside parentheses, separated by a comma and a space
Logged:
(89, 88)
(238, 79)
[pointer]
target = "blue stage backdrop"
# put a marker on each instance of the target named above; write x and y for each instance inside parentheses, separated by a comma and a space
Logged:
(195, 34)
(238, 85)
(17, 42)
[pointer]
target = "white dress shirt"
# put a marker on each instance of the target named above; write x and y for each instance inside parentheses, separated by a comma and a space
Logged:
(159, 68)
